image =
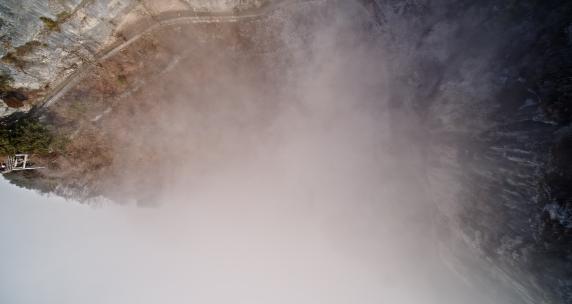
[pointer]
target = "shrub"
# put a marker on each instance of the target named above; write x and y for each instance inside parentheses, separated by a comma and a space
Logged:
(54, 25)
(51, 25)
(5, 83)
(26, 135)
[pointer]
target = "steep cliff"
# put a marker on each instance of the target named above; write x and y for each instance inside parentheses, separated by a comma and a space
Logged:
(43, 43)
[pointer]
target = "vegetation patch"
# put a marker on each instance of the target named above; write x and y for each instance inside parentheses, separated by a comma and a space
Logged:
(25, 135)
(15, 57)
(121, 79)
(54, 25)
(29, 47)
(5, 83)
(12, 59)
(50, 24)
(33, 180)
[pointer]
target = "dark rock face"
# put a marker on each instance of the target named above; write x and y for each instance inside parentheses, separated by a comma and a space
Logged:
(14, 99)
(491, 81)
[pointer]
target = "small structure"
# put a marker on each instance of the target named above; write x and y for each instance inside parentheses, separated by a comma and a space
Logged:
(18, 162)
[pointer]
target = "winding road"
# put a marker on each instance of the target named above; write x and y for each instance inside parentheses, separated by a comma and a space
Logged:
(162, 20)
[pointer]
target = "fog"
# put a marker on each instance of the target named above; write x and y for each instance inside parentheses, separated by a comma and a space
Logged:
(280, 170)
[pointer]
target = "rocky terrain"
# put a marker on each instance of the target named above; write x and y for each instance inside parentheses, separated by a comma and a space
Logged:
(45, 42)
(86, 87)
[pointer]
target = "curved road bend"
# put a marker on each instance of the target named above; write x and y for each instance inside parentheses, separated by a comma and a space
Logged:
(164, 19)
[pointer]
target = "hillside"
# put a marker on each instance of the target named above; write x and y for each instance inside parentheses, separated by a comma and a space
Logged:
(463, 103)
